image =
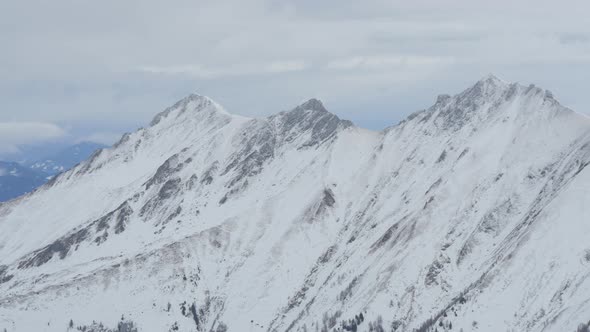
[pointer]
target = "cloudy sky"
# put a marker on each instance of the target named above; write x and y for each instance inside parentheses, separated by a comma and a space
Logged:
(74, 70)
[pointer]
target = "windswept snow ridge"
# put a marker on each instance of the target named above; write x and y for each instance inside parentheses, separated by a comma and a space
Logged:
(472, 214)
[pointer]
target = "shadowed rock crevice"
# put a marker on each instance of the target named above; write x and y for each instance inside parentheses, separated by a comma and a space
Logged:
(257, 145)
(96, 231)
(171, 166)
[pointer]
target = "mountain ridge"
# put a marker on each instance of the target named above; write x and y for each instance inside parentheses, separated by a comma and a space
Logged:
(301, 221)
(488, 84)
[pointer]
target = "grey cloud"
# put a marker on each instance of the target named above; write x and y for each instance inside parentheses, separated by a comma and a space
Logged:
(204, 72)
(387, 61)
(15, 134)
(574, 38)
(107, 138)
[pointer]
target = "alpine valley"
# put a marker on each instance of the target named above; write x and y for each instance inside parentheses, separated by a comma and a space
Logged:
(472, 215)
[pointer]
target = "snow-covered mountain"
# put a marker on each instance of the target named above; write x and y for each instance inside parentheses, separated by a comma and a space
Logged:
(472, 214)
(16, 180)
(66, 158)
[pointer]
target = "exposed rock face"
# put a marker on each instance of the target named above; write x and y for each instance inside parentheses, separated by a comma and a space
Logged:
(471, 214)
(309, 117)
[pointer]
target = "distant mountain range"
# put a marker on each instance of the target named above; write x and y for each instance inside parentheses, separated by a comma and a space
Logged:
(17, 178)
(66, 158)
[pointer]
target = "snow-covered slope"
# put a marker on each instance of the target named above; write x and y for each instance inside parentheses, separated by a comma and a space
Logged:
(472, 214)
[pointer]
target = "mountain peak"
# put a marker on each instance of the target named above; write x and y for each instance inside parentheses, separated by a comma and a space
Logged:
(492, 79)
(489, 84)
(193, 102)
(492, 94)
(309, 117)
(487, 87)
(312, 104)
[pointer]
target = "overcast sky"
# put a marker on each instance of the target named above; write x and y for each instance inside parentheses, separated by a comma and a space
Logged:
(75, 70)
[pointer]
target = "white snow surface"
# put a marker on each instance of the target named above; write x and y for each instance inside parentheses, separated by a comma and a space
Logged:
(474, 212)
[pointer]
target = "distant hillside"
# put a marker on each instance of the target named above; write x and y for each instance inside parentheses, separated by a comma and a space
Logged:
(16, 180)
(66, 158)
